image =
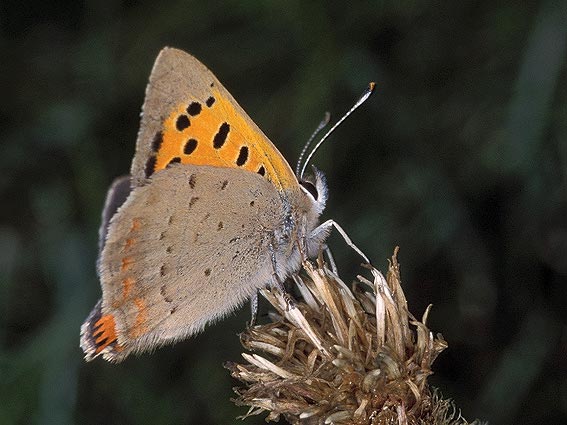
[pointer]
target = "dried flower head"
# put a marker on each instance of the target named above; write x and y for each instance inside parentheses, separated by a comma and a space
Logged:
(342, 356)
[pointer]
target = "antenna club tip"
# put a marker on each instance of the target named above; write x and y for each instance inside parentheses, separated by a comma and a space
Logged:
(371, 86)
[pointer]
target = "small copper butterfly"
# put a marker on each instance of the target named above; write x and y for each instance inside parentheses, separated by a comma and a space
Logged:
(210, 213)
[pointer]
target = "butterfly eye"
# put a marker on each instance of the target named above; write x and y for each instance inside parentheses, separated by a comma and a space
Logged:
(309, 187)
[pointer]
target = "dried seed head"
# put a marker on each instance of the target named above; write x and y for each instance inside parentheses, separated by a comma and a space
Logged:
(342, 356)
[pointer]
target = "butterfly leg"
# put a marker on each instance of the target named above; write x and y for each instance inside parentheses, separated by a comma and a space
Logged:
(253, 309)
(331, 259)
(276, 281)
(325, 228)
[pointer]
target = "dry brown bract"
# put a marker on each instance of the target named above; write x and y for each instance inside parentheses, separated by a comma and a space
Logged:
(342, 356)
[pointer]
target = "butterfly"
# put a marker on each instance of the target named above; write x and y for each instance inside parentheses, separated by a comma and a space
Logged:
(210, 213)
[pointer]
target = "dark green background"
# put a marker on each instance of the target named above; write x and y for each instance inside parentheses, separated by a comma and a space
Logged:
(460, 158)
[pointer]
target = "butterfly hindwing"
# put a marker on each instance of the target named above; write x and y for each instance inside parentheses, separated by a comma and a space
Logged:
(164, 274)
(115, 196)
(189, 117)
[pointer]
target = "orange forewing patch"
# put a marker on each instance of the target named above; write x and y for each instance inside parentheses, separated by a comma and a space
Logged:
(243, 146)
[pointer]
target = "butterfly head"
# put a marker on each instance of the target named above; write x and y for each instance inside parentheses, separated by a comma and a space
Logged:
(315, 188)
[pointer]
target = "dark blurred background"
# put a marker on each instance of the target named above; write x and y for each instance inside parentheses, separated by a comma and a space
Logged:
(460, 158)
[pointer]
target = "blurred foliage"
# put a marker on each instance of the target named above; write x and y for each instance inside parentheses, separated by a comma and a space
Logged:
(460, 158)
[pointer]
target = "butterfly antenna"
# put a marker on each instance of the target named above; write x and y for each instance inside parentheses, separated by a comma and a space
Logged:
(320, 127)
(363, 98)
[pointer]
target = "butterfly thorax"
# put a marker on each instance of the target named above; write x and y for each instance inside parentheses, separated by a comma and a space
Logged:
(295, 237)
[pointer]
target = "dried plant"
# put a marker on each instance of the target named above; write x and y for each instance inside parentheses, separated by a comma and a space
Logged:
(342, 356)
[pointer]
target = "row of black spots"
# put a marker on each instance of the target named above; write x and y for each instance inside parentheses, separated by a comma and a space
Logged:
(242, 156)
(163, 293)
(193, 109)
(221, 136)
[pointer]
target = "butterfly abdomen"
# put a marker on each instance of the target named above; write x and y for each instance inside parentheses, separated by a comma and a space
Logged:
(98, 335)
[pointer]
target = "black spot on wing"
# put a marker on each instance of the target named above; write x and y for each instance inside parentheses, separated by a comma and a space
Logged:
(194, 109)
(220, 137)
(205, 218)
(163, 293)
(150, 166)
(210, 101)
(158, 140)
(182, 122)
(190, 146)
(192, 180)
(242, 156)
(175, 160)
(261, 170)
(193, 200)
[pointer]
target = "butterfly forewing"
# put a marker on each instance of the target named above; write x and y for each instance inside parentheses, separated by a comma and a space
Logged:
(189, 117)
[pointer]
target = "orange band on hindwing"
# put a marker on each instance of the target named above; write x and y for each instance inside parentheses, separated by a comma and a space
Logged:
(126, 263)
(136, 224)
(127, 284)
(104, 332)
(140, 326)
